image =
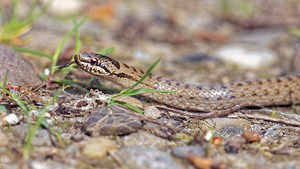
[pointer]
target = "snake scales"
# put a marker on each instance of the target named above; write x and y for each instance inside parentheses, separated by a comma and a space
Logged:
(197, 101)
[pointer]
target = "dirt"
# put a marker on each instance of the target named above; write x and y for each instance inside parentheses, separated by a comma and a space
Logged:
(186, 36)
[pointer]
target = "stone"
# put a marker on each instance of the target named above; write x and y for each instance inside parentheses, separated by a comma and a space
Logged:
(41, 137)
(113, 120)
(140, 157)
(20, 72)
(97, 147)
(12, 119)
(3, 139)
(182, 151)
(246, 55)
(143, 138)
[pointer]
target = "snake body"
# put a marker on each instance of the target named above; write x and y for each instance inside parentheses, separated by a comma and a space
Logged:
(211, 100)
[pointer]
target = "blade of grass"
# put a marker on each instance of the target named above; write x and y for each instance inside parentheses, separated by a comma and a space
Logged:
(60, 45)
(138, 82)
(16, 99)
(144, 76)
(77, 38)
(40, 120)
(5, 78)
(140, 91)
(34, 52)
(130, 91)
(132, 107)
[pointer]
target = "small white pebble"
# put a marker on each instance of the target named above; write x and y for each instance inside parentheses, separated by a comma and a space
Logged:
(33, 113)
(47, 71)
(152, 111)
(208, 136)
(12, 119)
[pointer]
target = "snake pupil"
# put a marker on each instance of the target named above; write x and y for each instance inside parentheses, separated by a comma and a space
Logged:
(93, 62)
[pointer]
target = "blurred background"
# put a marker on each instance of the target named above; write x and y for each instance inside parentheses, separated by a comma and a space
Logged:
(208, 40)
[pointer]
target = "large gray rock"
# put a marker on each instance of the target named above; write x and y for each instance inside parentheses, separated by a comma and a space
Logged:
(21, 73)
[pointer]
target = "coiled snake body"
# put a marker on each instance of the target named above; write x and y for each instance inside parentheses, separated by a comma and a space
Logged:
(199, 101)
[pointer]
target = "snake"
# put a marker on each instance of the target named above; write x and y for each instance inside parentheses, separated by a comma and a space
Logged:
(198, 101)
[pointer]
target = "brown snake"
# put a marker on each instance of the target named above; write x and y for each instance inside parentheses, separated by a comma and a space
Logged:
(197, 101)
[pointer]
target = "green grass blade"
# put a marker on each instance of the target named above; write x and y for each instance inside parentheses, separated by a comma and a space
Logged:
(3, 109)
(34, 52)
(40, 120)
(140, 91)
(145, 75)
(77, 38)
(16, 99)
(5, 78)
(106, 50)
(132, 107)
(60, 45)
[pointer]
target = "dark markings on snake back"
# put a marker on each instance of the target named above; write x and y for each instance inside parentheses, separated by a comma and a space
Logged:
(260, 82)
(158, 78)
(104, 68)
(114, 62)
(278, 80)
(248, 82)
(239, 84)
(123, 75)
(134, 69)
(191, 98)
(168, 82)
(126, 65)
(187, 86)
(232, 97)
(223, 86)
(199, 87)
(177, 83)
(212, 88)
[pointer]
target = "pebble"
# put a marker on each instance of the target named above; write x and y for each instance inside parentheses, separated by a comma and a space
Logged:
(140, 157)
(20, 72)
(77, 137)
(12, 119)
(262, 37)
(227, 132)
(234, 143)
(97, 147)
(248, 56)
(111, 121)
(48, 165)
(217, 123)
(251, 136)
(182, 151)
(153, 112)
(41, 138)
(143, 138)
(65, 7)
(3, 139)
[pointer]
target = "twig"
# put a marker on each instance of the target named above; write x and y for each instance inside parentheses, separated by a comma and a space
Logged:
(290, 122)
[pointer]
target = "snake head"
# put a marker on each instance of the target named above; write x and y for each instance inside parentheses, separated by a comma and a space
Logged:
(96, 64)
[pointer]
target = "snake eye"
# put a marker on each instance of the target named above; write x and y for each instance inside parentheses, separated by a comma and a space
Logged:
(93, 62)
